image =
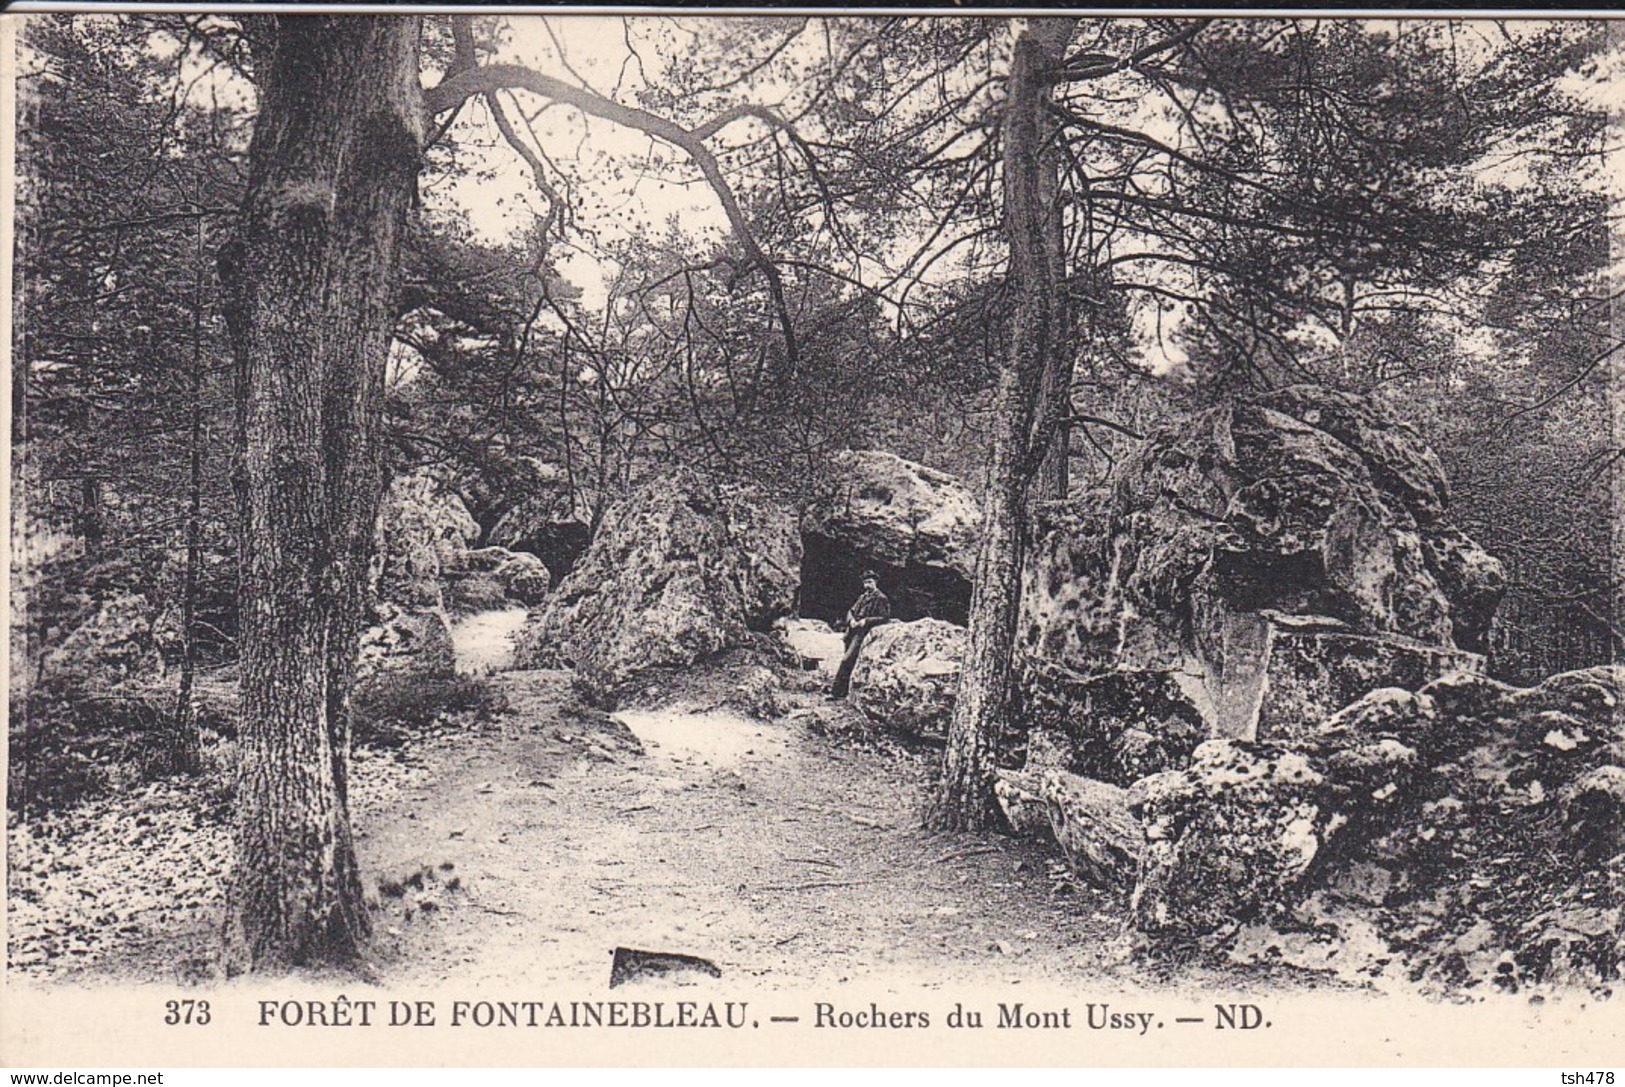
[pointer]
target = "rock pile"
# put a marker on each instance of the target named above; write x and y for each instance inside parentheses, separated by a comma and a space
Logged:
(1471, 826)
(1267, 630)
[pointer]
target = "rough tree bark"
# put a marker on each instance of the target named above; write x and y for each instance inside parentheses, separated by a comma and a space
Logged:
(310, 280)
(1054, 431)
(964, 798)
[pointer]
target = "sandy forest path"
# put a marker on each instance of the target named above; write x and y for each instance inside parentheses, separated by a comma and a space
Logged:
(546, 838)
(517, 849)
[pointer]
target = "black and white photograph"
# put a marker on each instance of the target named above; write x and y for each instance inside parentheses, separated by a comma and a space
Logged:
(817, 537)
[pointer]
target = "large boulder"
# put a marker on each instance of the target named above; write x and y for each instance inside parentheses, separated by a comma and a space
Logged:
(907, 675)
(524, 577)
(1473, 581)
(665, 583)
(917, 527)
(1309, 668)
(1115, 727)
(422, 527)
(1279, 545)
(1592, 807)
(767, 542)
(812, 644)
(1071, 603)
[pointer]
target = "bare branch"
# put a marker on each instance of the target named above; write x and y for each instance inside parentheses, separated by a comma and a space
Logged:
(555, 205)
(491, 78)
(1098, 66)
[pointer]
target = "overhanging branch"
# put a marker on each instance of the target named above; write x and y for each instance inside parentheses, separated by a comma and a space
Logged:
(489, 79)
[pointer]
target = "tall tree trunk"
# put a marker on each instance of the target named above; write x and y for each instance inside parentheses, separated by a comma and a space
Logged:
(187, 752)
(964, 798)
(1055, 395)
(311, 279)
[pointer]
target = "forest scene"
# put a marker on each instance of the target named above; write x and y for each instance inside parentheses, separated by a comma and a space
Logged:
(814, 499)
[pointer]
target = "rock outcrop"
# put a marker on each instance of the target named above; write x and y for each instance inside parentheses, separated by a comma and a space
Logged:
(907, 676)
(406, 642)
(422, 527)
(1470, 829)
(665, 583)
(917, 527)
(1090, 820)
(1276, 557)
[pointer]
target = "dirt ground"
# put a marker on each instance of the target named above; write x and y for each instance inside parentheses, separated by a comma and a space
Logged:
(784, 854)
(525, 848)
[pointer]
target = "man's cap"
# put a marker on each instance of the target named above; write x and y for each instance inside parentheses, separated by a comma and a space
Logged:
(870, 575)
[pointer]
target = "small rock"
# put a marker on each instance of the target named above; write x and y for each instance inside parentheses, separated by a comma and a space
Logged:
(1024, 809)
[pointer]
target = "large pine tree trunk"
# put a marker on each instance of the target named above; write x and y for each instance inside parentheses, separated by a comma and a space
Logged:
(1055, 395)
(964, 799)
(311, 280)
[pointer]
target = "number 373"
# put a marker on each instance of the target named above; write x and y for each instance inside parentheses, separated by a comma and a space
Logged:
(193, 1013)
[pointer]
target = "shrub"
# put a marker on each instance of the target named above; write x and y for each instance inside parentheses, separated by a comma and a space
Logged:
(392, 708)
(68, 745)
(475, 592)
(50, 764)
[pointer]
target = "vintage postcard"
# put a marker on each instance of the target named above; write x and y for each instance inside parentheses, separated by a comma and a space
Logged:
(814, 538)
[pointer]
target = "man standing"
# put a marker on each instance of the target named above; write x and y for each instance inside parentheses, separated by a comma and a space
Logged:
(867, 612)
